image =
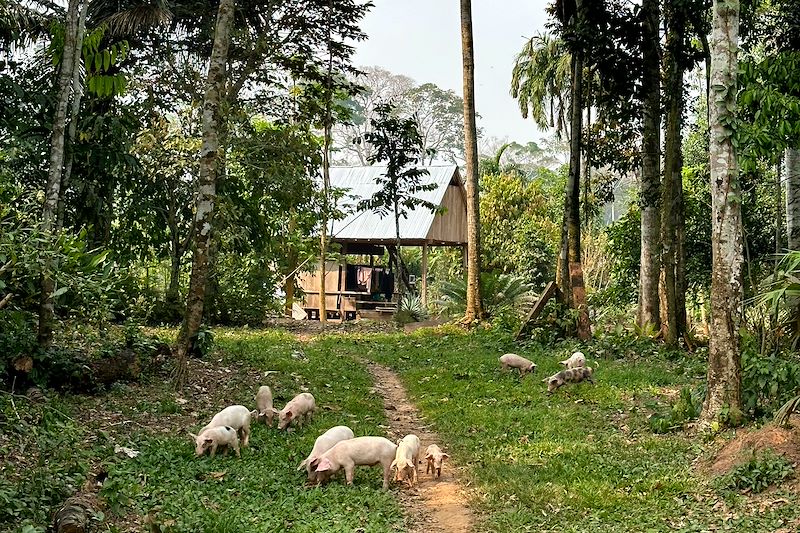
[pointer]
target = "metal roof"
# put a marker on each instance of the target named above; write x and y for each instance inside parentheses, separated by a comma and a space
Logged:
(363, 226)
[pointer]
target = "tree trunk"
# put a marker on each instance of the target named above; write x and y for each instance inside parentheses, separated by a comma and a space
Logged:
(326, 174)
(792, 165)
(400, 287)
(53, 187)
(291, 260)
(724, 359)
(576, 291)
(671, 196)
(649, 271)
(474, 310)
(206, 192)
(77, 94)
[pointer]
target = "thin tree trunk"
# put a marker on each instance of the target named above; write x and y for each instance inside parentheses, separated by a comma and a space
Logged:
(291, 260)
(792, 165)
(672, 179)
(72, 132)
(53, 187)
(206, 192)
(587, 167)
(474, 310)
(650, 199)
(724, 359)
(326, 177)
(400, 287)
(577, 289)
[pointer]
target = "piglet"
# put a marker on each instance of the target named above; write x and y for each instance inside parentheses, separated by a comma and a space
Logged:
(324, 442)
(512, 360)
(576, 360)
(235, 416)
(435, 456)
(212, 438)
(264, 408)
(361, 451)
(406, 458)
(301, 407)
(570, 375)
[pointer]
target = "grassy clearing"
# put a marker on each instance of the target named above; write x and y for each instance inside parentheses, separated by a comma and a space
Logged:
(583, 459)
(260, 492)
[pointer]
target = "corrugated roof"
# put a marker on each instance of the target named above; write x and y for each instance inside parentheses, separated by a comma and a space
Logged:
(368, 225)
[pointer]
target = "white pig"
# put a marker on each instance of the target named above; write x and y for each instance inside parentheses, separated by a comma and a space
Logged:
(575, 360)
(300, 407)
(435, 456)
(347, 454)
(235, 416)
(406, 458)
(263, 408)
(324, 442)
(212, 438)
(512, 360)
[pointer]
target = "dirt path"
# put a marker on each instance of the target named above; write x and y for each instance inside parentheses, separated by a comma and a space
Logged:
(435, 506)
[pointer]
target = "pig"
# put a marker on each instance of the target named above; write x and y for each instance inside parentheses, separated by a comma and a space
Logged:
(366, 451)
(406, 459)
(300, 407)
(512, 360)
(324, 442)
(263, 410)
(235, 416)
(576, 360)
(435, 457)
(214, 437)
(570, 375)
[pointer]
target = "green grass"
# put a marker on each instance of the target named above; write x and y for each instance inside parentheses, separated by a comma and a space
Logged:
(581, 460)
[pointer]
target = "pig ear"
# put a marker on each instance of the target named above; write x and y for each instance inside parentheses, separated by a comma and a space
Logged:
(208, 441)
(194, 437)
(314, 462)
(288, 414)
(428, 456)
(302, 464)
(445, 456)
(275, 411)
(324, 465)
(393, 465)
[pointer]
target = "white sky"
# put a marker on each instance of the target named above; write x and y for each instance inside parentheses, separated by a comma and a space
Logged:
(422, 39)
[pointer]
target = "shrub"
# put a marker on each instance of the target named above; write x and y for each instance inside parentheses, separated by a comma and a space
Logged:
(767, 383)
(410, 309)
(498, 292)
(757, 474)
(688, 407)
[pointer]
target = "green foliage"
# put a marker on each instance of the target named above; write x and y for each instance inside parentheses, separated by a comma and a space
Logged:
(498, 292)
(757, 474)
(202, 341)
(688, 407)
(767, 382)
(624, 248)
(17, 337)
(410, 309)
(519, 228)
(783, 414)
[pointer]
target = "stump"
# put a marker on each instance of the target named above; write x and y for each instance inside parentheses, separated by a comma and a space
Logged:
(75, 515)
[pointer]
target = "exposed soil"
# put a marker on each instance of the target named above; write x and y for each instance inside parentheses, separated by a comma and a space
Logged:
(434, 505)
(782, 441)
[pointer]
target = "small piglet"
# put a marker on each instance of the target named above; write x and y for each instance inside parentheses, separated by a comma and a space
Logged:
(435, 456)
(324, 442)
(212, 438)
(576, 360)
(406, 458)
(235, 416)
(570, 375)
(362, 451)
(512, 360)
(264, 408)
(300, 407)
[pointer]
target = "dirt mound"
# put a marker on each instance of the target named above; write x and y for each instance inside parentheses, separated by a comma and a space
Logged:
(782, 441)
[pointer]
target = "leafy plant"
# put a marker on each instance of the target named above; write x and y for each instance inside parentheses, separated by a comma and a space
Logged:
(503, 291)
(202, 342)
(410, 309)
(787, 410)
(761, 471)
(688, 407)
(767, 382)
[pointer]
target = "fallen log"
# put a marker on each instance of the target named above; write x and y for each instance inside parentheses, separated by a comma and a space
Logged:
(75, 514)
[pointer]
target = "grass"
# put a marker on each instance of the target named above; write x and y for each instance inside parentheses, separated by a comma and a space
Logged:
(583, 459)
(181, 493)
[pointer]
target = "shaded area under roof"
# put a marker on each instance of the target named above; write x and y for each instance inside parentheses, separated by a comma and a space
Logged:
(420, 226)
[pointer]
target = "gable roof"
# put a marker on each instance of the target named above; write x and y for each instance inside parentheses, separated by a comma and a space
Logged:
(415, 228)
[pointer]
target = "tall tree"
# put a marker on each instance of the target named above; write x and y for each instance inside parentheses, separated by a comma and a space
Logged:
(724, 358)
(474, 310)
(791, 165)
(650, 198)
(206, 190)
(67, 71)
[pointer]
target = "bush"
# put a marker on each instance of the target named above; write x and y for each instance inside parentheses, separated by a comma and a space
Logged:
(767, 383)
(498, 292)
(757, 474)
(687, 408)
(410, 309)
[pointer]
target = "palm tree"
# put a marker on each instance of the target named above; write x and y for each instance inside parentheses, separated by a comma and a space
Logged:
(540, 81)
(474, 310)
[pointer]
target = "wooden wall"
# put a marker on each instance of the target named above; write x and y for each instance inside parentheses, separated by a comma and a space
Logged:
(452, 225)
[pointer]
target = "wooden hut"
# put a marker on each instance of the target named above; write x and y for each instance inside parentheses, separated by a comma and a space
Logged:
(367, 290)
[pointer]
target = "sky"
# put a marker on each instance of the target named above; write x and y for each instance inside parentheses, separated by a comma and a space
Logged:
(422, 39)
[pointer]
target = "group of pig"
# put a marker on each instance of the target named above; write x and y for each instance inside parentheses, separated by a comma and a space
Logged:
(575, 371)
(336, 449)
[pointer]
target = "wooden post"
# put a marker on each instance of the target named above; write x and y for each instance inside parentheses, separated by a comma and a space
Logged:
(424, 290)
(464, 256)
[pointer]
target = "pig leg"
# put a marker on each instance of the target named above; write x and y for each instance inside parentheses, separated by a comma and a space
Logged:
(429, 467)
(213, 449)
(387, 473)
(349, 473)
(245, 435)
(236, 447)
